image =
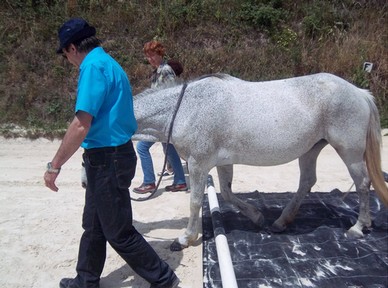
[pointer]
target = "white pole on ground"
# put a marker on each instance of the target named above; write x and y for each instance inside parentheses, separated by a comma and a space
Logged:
(228, 276)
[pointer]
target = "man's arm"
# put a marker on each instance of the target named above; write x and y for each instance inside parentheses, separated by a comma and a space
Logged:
(74, 136)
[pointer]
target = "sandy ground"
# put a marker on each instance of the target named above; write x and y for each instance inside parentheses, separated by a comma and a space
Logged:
(40, 229)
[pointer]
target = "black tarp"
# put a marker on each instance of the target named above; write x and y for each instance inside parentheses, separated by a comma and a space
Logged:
(314, 251)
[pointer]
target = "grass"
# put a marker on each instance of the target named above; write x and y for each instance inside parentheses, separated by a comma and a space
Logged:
(254, 40)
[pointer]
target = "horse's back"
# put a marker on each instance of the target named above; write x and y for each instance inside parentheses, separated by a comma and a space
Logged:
(279, 120)
(321, 97)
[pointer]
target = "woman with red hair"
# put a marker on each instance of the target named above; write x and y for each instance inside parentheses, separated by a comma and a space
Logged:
(163, 75)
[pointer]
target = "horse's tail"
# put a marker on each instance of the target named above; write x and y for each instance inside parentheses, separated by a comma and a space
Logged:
(373, 152)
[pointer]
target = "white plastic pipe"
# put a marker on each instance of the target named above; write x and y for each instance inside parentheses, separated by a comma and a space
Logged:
(228, 276)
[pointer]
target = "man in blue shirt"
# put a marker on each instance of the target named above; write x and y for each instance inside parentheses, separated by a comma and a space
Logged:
(103, 125)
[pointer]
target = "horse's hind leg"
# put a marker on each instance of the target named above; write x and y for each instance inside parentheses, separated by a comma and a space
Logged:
(355, 163)
(225, 175)
(308, 177)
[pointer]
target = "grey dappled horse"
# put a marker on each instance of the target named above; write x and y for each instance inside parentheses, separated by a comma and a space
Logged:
(223, 121)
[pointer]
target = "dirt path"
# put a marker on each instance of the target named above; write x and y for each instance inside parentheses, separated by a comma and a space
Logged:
(40, 229)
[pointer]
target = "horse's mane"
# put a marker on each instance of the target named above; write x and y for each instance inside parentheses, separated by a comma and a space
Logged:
(148, 91)
(221, 76)
(159, 88)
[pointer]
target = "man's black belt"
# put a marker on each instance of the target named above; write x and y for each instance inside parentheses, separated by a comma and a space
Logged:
(113, 149)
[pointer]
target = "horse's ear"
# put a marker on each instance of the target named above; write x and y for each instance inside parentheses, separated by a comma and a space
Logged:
(176, 66)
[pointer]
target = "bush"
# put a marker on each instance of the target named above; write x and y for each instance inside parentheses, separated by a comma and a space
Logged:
(322, 19)
(262, 16)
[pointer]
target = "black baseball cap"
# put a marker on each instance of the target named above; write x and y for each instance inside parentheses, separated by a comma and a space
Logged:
(73, 30)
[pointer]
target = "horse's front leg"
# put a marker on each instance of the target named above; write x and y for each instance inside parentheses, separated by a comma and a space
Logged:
(197, 187)
(225, 176)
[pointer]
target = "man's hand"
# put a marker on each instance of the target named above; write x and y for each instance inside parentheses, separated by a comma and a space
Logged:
(75, 134)
(49, 179)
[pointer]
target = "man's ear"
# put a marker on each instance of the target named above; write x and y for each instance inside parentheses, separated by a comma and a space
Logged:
(72, 48)
(69, 48)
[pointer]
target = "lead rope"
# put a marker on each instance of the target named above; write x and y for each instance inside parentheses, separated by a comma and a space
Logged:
(178, 104)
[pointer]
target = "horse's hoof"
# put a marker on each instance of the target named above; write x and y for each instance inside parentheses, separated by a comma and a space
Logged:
(277, 228)
(176, 246)
(354, 233)
(259, 221)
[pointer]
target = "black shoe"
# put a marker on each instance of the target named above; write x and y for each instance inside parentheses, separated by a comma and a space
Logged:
(73, 283)
(68, 283)
(174, 284)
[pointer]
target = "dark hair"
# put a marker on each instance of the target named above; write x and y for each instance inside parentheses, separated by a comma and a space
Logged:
(87, 44)
(176, 66)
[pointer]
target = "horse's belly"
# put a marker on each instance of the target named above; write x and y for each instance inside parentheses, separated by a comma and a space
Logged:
(259, 155)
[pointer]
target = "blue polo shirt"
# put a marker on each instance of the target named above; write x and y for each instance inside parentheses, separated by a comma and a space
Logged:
(104, 92)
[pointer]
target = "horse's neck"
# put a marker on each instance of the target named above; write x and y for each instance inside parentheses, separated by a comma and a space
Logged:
(153, 111)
